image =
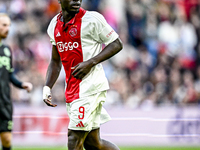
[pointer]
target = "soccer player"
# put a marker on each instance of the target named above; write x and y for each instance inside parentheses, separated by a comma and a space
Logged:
(77, 36)
(7, 76)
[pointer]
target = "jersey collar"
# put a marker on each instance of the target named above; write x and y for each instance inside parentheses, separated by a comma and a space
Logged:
(72, 21)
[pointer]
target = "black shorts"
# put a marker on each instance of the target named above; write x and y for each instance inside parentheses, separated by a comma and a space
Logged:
(6, 118)
(6, 125)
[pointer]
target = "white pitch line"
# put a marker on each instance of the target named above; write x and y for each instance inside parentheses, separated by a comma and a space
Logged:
(117, 119)
(115, 134)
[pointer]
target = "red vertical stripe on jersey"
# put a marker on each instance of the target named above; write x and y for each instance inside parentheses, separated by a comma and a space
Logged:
(68, 43)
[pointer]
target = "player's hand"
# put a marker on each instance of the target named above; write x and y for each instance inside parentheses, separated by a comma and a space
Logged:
(47, 96)
(81, 70)
(27, 86)
(48, 102)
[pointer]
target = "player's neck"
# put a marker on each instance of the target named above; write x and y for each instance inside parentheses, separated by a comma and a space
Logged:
(67, 16)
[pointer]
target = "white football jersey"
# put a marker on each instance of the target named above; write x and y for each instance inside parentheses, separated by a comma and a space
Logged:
(77, 41)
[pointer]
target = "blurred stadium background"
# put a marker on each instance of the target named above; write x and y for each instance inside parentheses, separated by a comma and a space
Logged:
(155, 80)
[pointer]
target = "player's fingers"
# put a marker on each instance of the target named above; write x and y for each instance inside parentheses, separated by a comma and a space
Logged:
(74, 72)
(27, 86)
(49, 103)
(53, 105)
(79, 75)
(75, 68)
(28, 89)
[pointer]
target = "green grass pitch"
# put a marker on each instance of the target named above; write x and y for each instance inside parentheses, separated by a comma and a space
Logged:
(121, 148)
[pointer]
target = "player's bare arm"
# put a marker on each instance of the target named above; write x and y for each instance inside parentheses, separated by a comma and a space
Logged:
(52, 75)
(110, 50)
(53, 68)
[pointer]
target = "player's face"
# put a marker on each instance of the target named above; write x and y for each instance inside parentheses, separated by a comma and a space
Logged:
(71, 6)
(4, 26)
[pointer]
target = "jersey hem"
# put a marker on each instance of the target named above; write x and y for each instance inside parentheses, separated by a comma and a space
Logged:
(85, 95)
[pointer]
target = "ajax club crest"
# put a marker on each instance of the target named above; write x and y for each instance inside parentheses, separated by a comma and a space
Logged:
(73, 32)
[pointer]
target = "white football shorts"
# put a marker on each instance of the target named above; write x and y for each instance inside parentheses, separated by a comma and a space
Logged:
(87, 113)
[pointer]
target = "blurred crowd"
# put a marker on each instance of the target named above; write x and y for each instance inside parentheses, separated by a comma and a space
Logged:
(158, 66)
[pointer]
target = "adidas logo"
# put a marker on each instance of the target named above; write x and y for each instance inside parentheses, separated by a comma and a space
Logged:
(58, 34)
(80, 124)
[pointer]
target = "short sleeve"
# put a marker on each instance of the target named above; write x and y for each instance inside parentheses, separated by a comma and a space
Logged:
(51, 28)
(103, 32)
(108, 35)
